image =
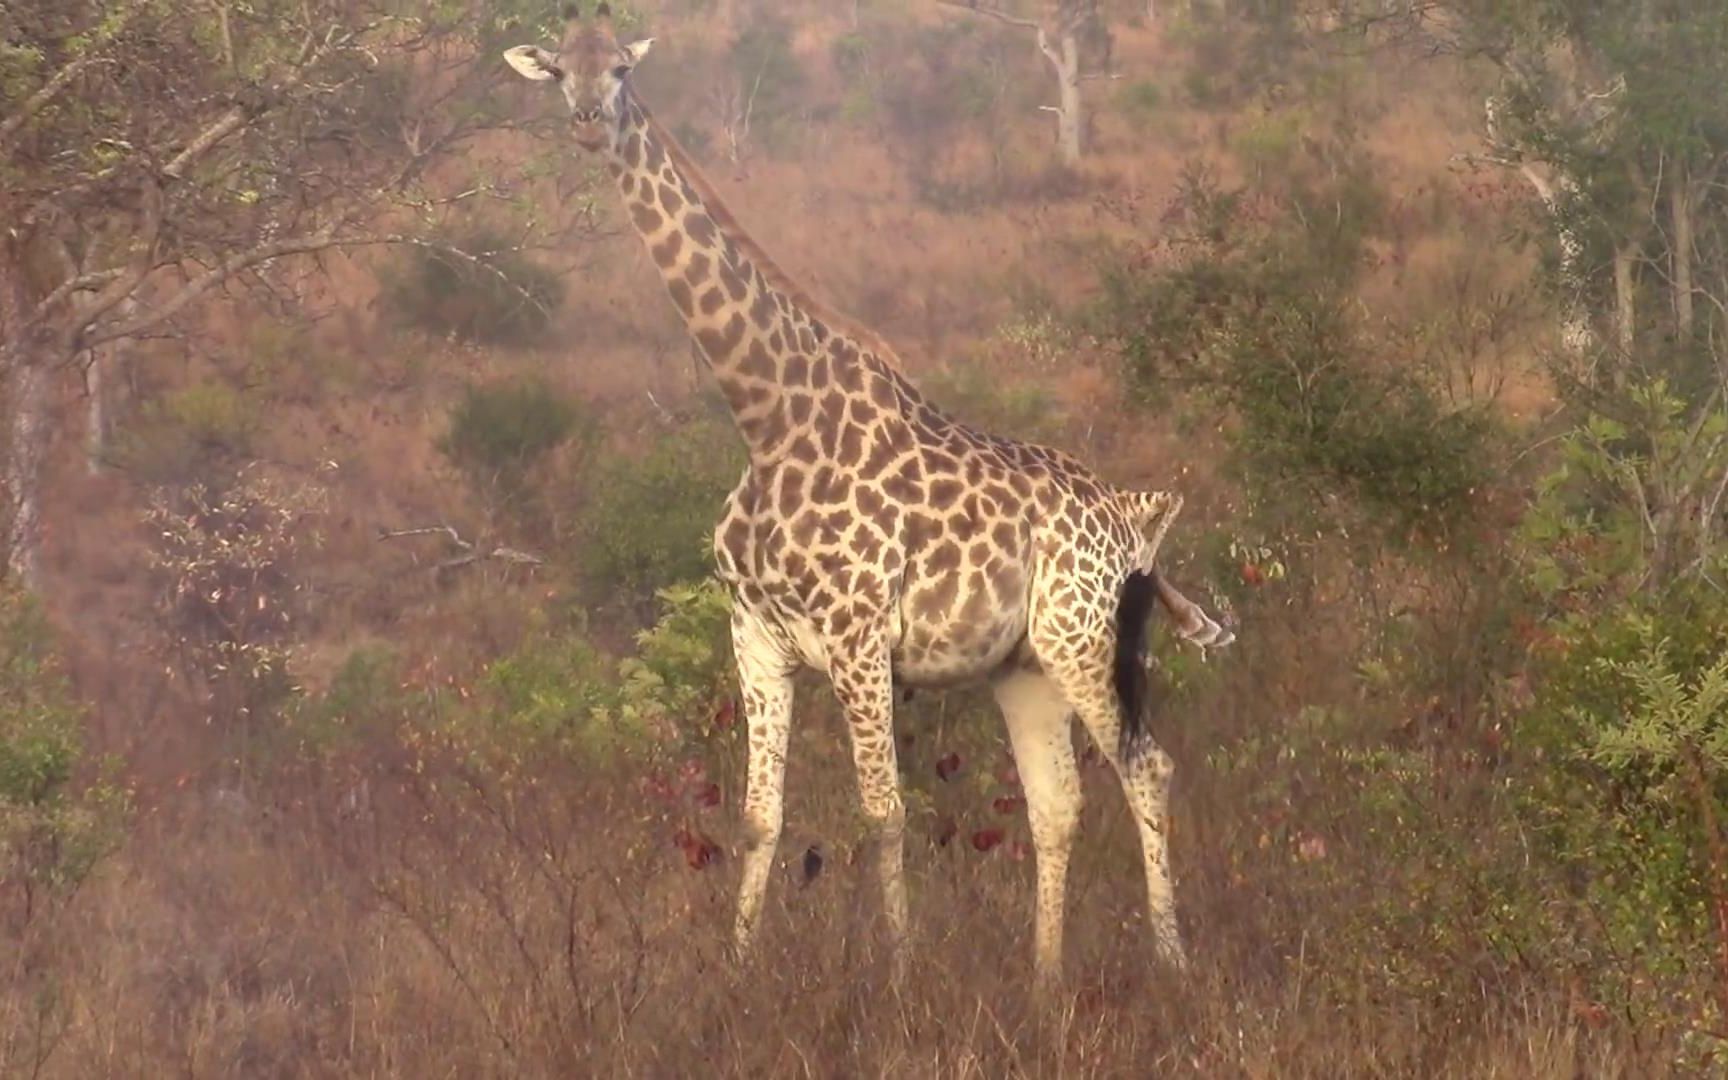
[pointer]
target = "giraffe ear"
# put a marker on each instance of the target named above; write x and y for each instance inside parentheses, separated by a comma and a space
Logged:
(639, 49)
(533, 62)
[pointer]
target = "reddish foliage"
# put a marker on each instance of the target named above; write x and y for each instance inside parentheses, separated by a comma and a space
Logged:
(985, 839)
(725, 716)
(698, 849)
(707, 796)
(947, 766)
(1008, 804)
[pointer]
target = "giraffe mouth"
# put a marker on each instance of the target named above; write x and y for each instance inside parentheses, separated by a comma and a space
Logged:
(590, 136)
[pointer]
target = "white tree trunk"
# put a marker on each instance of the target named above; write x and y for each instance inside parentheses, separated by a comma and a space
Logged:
(1071, 115)
(1625, 301)
(1680, 206)
(96, 418)
(1576, 334)
(26, 447)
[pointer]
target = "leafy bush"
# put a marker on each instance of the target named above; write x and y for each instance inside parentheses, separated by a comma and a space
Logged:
(365, 698)
(188, 431)
(650, 520)
(495, 296)
(1143, 101)
(559, 692)
(226, 556)
(1262, 321)
(53, 830)
(499, 432)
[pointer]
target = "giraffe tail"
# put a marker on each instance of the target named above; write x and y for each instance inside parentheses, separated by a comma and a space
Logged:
(1134, 607)
(1154, 512)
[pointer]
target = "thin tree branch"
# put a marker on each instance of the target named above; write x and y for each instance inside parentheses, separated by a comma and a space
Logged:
(35, 102)
(989, 12)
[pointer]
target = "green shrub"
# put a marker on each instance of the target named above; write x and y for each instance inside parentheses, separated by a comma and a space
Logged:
(650, 520)
(558, 692)
(187, 432)
(366, 698)
(53, 829)
(496, 296)
(1261, 320)
(499, 432)
(1143, 101)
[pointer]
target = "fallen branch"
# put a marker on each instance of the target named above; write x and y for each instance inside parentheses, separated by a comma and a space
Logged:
(470, 554)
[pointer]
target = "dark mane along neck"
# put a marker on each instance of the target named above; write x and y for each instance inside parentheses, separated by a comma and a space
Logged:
(774, 349)
(729, 226)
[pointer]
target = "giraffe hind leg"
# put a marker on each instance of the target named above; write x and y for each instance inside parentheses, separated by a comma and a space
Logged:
(1039, 721)
(1083, 675)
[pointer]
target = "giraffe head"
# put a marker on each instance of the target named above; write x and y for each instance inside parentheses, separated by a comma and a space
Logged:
(592, 70)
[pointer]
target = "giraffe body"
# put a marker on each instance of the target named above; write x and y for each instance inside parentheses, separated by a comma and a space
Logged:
(881, 542)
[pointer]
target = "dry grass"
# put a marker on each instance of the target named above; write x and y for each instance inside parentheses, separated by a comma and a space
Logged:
(463, 927)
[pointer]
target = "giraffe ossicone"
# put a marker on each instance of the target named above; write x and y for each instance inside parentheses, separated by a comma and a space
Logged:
(880, 541)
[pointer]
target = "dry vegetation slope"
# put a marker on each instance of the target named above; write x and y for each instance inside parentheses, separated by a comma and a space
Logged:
(369, 876)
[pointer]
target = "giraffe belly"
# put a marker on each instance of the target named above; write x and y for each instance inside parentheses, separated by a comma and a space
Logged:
(956, 647)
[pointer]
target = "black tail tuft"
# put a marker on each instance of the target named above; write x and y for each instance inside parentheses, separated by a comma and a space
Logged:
(1133, 610)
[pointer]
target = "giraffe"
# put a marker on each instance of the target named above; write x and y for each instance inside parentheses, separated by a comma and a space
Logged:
(881, 542)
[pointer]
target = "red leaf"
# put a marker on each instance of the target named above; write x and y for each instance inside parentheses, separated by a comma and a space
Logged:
(1008, 804)
(985, 839)
(726, 715)
(693, 771)
(1251, 574)
(1018, 850)
(708, 796)
(947, 766)
(698, 850)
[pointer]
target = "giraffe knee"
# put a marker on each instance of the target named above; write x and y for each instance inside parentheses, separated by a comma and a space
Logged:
(761, 829)
(887, 815)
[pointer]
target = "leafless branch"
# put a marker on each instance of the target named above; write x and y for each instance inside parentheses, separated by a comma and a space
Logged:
(469, 553)
(989, 12)
(35, 102)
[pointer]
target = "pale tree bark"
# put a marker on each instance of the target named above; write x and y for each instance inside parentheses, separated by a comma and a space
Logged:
(1058, 41)
(1556, 188)
(1625, 297)
(26, 448)
(1680, 214)
(1070, 112)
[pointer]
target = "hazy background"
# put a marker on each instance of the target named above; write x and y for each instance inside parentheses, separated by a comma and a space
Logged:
(365, 704)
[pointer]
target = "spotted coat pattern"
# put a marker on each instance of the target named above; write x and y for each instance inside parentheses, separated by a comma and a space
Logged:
(876, 539)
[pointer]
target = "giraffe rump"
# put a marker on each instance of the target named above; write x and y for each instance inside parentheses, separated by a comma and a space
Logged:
(1134, 609)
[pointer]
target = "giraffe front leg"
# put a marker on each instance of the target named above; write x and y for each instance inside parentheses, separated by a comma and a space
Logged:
(765, 681)
(1038, 719)
(861, 675)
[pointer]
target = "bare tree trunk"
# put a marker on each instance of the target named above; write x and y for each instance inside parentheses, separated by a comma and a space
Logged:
(1070, 116)
(27, 397)
(1063, 54)
(1680, 207)
(1625, 302)
(23, 395)
(1576, 334)
(96, 416)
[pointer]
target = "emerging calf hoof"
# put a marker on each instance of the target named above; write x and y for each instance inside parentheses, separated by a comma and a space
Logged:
(1206, 633)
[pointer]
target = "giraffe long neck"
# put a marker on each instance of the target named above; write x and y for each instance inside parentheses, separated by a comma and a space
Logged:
(776, 354)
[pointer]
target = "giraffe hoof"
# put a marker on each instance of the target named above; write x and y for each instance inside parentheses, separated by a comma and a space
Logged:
(1208, 634)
